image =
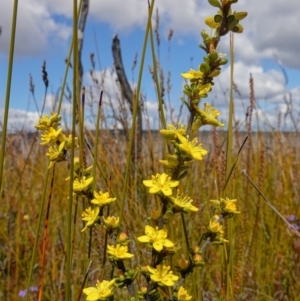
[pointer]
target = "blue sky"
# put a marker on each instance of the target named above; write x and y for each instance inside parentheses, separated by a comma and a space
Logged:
(44, 31)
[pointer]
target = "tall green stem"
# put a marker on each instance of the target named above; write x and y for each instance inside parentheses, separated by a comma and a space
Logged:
(70, 205)
(8, 86)
(136, 103)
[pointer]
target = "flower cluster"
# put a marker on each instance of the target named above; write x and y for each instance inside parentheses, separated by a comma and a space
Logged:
(101, 291)
(91, 216)
(169, 187)
(59, 144)
(225, 206)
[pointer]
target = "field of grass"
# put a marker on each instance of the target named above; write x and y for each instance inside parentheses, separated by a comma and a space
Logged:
(217, 251)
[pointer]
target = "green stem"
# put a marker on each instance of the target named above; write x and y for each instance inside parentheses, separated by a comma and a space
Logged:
(70, 205)
(37, 234)
(8, 86)
(136, 103)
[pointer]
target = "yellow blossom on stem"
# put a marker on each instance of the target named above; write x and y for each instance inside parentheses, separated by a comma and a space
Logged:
(226, 205)
(172, 132)
(44, 122)
(111, 222)
(183, 204)
(156, 238)
(208, 115)
(102, 198)
(191, 147)
(50, 135)
(214, 225)
(81, 185)
(90, 216)
(204, 89)
(182, 294)
(192, 74)
(55, 154)
(161, 183)
(102, 291)
(119, 252)
(210, 21)
(162, 275)
(69, 142)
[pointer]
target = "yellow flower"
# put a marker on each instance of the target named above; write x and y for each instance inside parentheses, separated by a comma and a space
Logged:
(192, 74)
(182, 295)
(226, 205)
(119, 252)
(208, 115)
(102, 291)
(161, 183)
(82, 185)
(50, 135)
(190, 147)
(111, 222)
(156, 238)
(214, 225)
(90, 216)
(172, 132)
(55, 153)
(44, 122)
(102, 198)
(162, 275)
(229, 206)
(183, 204)
(204, 89)
(210, 22)
(68, 141)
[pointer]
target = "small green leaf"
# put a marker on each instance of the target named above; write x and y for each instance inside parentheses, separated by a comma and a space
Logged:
(230, 18)
(218, 18)
(206, 60)
(222, 61)
(238, 28)
(182, 175)
(214, 73)
(205, 68)
(232, 24)
(215, 3)
(203, 47)
(204, 34)
(240, 15)
(213, 55)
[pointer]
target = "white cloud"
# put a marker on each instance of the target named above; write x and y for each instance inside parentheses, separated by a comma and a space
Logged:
(36, 27)
(267, 84)
(269, 28)
(20, 120)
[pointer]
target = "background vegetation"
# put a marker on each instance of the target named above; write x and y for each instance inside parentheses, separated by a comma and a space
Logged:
(263, 254)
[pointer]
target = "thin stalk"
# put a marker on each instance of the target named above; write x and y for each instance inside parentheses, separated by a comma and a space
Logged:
(95, 162)
(8, 86)
(40, 295)
(229, 262)
(128, 159)
(70, 205)
(67, 67)
(160, 104)
(37, 234)
(95, 155)
(84, 280)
